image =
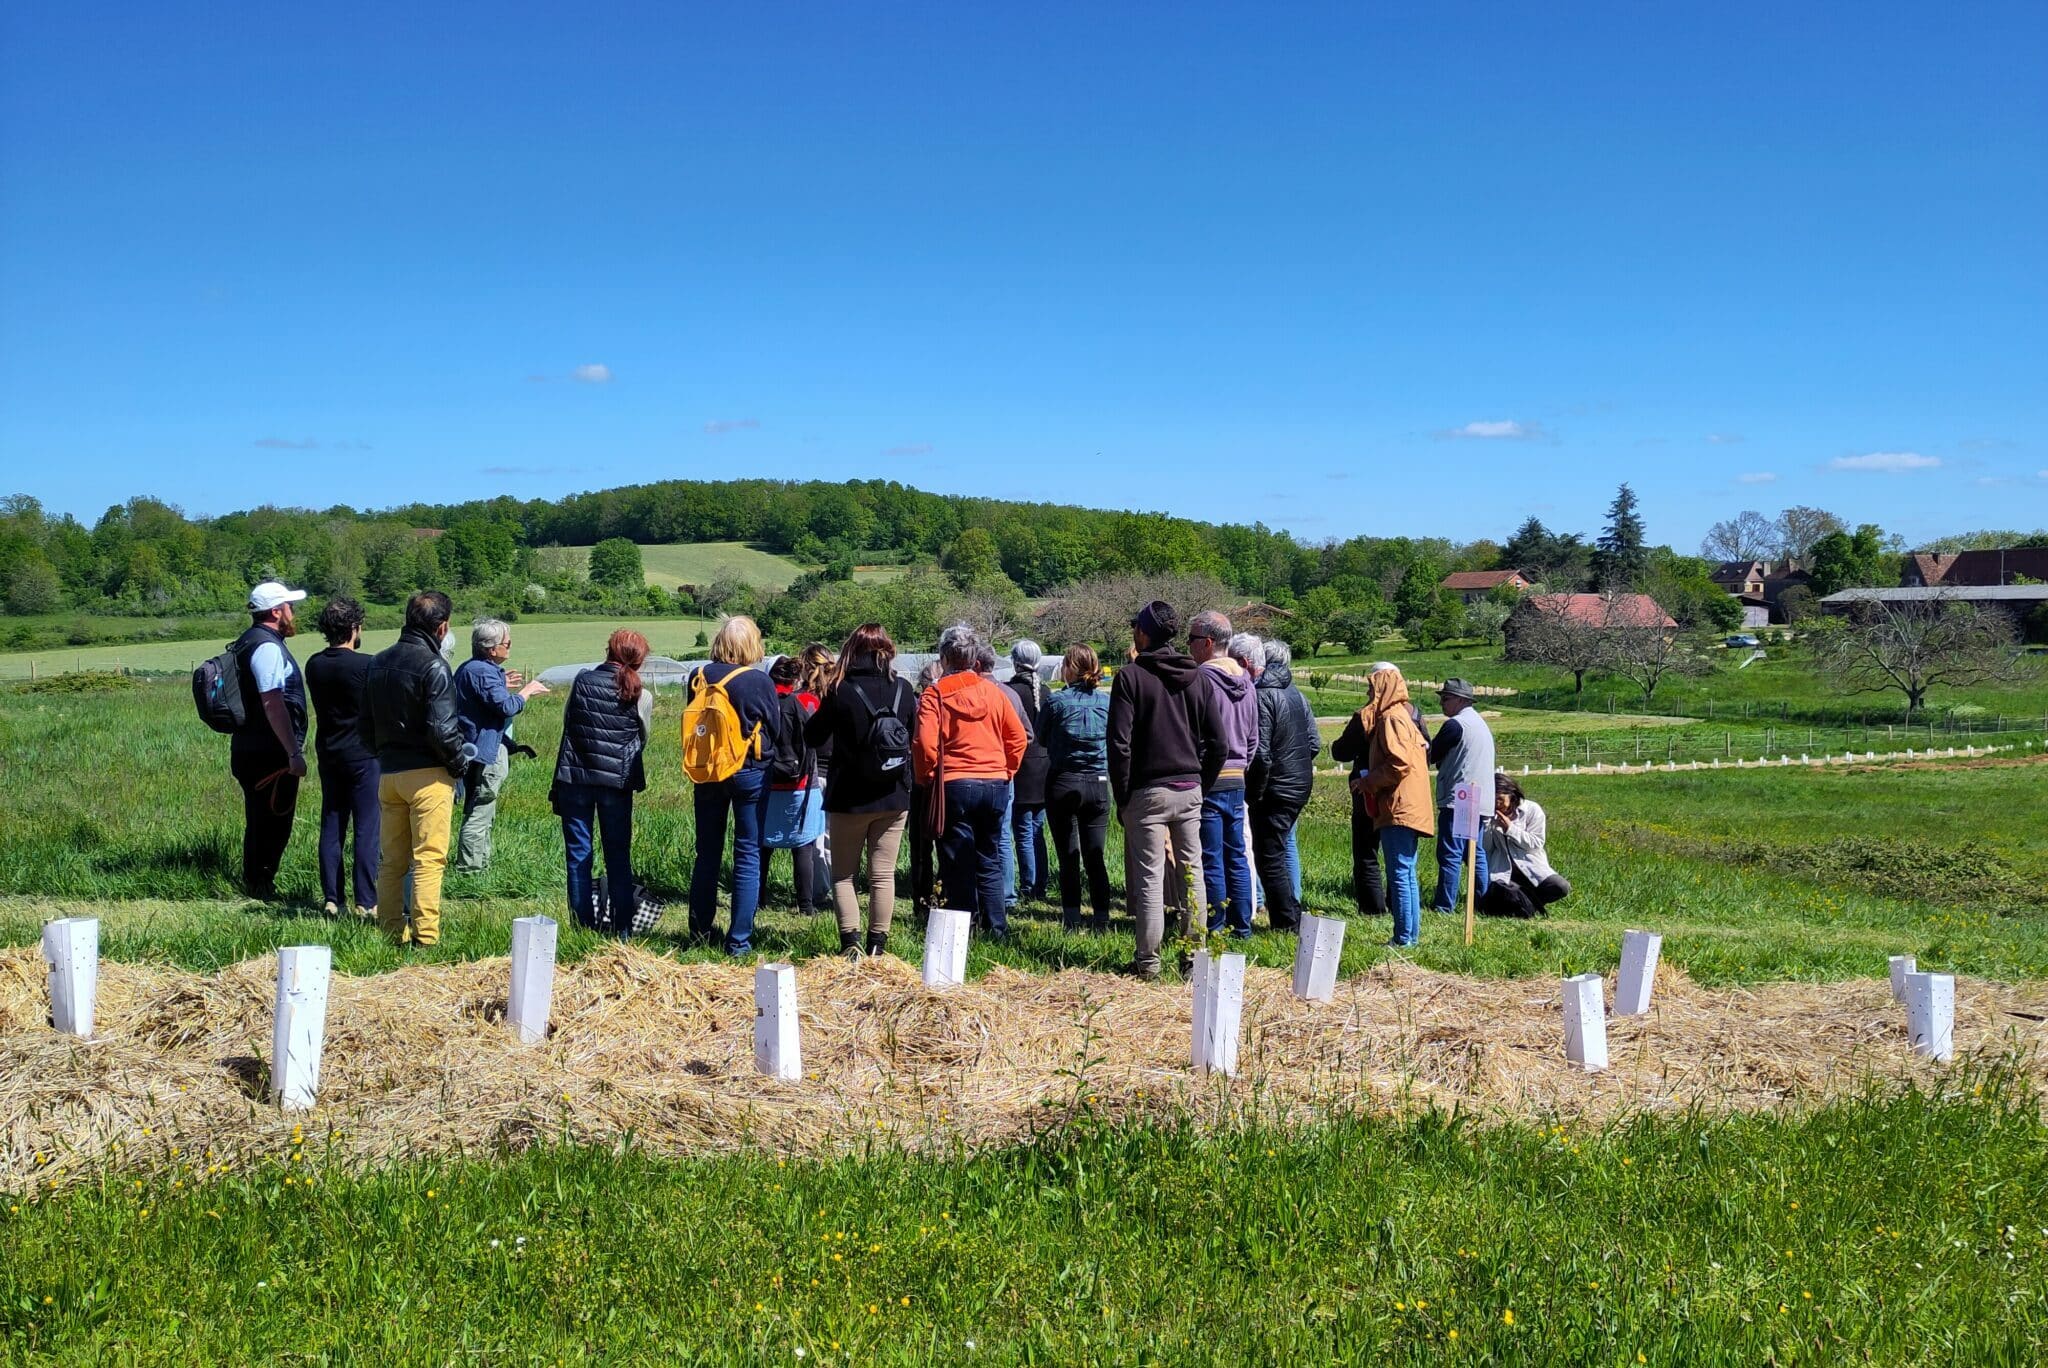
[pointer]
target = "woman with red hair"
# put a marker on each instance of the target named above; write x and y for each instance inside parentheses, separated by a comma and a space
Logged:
(605, 727)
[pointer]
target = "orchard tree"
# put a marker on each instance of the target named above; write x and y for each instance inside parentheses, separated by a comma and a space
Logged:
(1909, 646)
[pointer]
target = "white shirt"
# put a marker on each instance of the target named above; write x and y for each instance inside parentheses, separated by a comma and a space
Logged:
(269, 668)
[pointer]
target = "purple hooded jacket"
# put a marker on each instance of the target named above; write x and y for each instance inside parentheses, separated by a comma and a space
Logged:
(1237, 707)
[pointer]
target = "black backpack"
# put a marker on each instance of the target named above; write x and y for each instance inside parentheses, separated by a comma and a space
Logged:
(217, 690)
(885, 745)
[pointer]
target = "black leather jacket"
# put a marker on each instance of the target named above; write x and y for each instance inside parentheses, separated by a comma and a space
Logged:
(1283, 771)
(408, 711)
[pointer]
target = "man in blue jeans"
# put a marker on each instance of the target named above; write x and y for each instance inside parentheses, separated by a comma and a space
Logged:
(1462, 752)
(1226, 866)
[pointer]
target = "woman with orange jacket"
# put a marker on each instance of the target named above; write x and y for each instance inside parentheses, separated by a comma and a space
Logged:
(968, 745)
(1395, 784)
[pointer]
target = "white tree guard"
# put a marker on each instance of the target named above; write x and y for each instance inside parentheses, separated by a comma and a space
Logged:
(1931, 1015)
(1219, 1011)
(945, 948)
(1315, 958)
(1585, 1021)
(777, 1051)
(533, 977)
(1901, 965)
(72, 946)
(1638, 972)
(301, 1030)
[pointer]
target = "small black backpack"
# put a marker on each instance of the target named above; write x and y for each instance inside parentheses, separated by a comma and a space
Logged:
(217, 690)
(885, 746)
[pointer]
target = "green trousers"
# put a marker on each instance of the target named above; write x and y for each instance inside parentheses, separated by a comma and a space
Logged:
(479, 809)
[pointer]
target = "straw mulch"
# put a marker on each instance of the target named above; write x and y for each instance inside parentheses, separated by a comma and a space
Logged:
(419, 1061)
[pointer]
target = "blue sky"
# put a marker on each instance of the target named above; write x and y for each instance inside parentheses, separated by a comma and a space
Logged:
(1362, 268)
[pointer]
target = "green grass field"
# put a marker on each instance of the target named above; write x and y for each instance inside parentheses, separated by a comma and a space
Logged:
(1907, 1227)
(700, 563)
(536, 644)
(1902, 1230)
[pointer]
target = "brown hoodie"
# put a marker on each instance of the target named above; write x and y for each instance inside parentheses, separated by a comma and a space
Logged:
(978, 724)
(1397, 764)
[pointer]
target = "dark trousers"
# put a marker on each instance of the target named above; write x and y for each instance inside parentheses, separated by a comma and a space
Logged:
(1367, 885)
(348, 793)
(808, 879)
(1077, 808)
(1520, 896)
(1271, 823)
(610, 811)
(270, 799)
(971, 850)
(922, 866)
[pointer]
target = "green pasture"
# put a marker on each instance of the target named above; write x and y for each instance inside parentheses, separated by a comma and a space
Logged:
(536, 644)
(700, 563)
(118, 801)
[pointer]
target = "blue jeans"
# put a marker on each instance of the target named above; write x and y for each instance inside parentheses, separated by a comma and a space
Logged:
(1294, 863)
(1027, 833)
(1226, 869)
(1009, 848)
(1450, 863)
(611, 811)
(1404, 894)
(971, 850)
(744, 798)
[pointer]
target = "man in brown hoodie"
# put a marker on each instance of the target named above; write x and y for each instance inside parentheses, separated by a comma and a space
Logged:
(1166, 745)
(968, 745)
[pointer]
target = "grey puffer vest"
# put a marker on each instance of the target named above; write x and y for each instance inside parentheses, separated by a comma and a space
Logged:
(601, 742)
(1471, 760)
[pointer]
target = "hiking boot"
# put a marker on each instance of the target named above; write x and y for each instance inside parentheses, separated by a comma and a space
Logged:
(878, 943)
(1144, 973)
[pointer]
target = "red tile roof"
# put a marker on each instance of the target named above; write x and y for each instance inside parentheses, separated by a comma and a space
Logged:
(1459, 580)
(1601, 610)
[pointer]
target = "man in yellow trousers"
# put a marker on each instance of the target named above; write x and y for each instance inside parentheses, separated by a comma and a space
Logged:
(408, 719)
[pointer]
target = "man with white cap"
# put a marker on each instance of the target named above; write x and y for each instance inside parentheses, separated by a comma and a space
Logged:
(267, 754)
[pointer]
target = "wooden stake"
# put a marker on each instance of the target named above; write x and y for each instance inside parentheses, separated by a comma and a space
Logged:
(1471, 885)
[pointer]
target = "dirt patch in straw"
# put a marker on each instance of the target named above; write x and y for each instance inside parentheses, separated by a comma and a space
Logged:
(419, 1061)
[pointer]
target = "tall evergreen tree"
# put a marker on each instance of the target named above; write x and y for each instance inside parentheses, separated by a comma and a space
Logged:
(1619, 557)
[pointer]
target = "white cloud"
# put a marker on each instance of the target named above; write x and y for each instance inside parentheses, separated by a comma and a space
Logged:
(910, 449)
(1757, 477)
(1890, 462)
(592, 374)
(720, 425)
(1504, 429)
(1725, 438)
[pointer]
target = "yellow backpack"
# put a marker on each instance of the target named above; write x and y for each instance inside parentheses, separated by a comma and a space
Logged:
(715, 745)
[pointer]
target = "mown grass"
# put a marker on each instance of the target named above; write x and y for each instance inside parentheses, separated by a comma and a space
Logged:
(121, 805)
(1902, 1229)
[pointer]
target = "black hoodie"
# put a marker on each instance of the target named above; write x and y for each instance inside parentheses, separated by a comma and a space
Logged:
(1163, 727)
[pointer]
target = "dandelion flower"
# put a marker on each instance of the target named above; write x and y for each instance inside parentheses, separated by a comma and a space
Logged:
(1507, 1318)
(906, 1301)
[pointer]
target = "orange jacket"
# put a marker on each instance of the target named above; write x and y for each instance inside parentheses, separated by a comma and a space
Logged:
(1397, 773)
(973, 717)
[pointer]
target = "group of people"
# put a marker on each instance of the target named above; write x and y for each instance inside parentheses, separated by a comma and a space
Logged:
(1206, 756)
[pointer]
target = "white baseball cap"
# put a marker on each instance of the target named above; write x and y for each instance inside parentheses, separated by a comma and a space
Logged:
(270, 594)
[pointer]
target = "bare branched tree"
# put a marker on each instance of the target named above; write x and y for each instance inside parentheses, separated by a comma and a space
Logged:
(1799, 527)
(1645, 656)
(1747, 536)
(1098, 611)
(1909, 646)
(1545, 630)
